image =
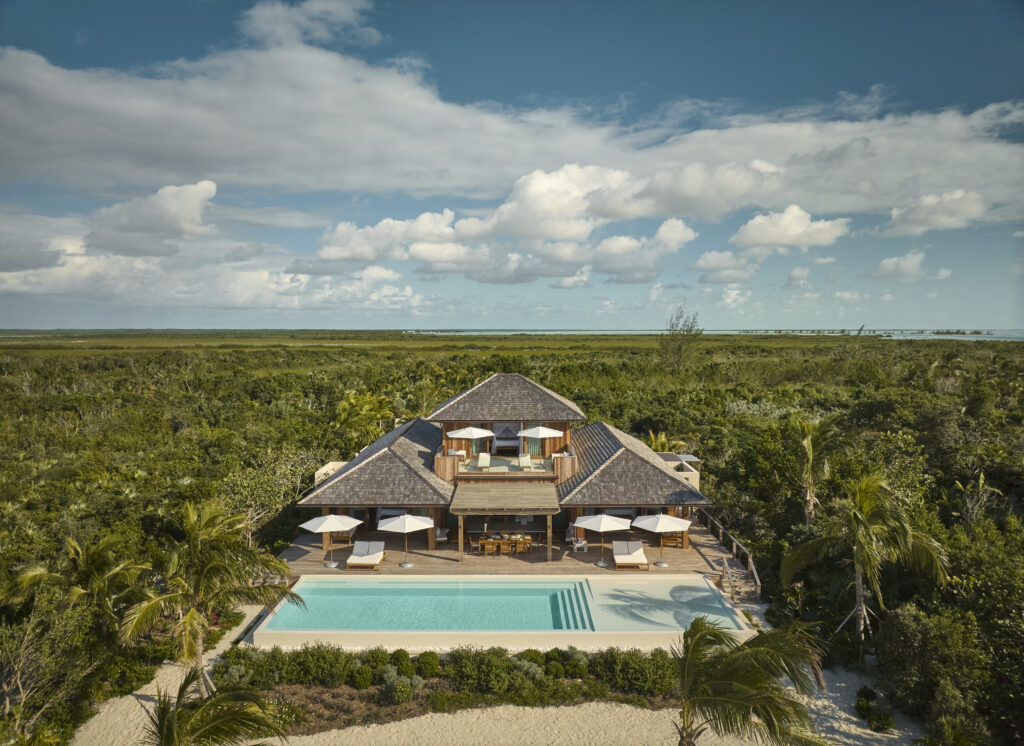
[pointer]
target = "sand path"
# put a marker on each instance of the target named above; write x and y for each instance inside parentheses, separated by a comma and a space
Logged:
(121, 721)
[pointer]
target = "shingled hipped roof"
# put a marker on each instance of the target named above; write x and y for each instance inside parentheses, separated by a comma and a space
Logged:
(397, 469)
(616, 469)
(507, 397)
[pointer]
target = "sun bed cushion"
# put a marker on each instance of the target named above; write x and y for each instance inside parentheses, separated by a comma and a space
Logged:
(629, 553)
(366, 553)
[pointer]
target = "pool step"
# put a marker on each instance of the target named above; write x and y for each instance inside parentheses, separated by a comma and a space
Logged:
(574, 609)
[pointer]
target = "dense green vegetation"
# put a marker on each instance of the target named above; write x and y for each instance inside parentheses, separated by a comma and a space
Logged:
(109, 435)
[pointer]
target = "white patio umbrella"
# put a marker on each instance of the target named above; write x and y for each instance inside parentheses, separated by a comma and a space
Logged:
(601, 523)
(323, 524)
(471, 433)
(660, 523)
(406, 524)
(539, 432)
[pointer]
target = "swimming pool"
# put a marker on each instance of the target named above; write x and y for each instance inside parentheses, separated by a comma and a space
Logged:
(495, 610)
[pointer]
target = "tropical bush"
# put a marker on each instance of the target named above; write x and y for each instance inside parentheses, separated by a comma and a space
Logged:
(428, 664)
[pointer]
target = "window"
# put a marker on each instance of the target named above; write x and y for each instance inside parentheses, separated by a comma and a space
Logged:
(532, 444)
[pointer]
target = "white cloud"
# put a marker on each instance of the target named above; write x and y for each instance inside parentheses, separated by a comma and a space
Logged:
(798, 277)
(579, 280)
(1018, 234)
(955, 209)
(733, 296)
(388, 237)
(791, 227)
(908, 268)
(723, 267)
(275, 23)
(847, 295)
(888, 297)
(824, 260)
(340, 123)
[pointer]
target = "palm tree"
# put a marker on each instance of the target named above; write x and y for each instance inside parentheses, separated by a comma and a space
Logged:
(735, 689)
(93, 571)
(225, 718)
(870, 530)
(817, 441)
(212, 568)
(662, 442)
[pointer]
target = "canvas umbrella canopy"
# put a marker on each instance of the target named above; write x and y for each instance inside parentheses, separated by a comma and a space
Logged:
(470, 433)
(324, 524)
(406, 524)
(601, 523)
(539, 432)
(660, 523)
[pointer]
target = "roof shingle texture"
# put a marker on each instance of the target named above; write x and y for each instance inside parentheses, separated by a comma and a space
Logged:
(510, 397)
(617, 469)
(396, 469)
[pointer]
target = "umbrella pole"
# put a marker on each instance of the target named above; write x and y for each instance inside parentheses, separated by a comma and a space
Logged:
(407, 547)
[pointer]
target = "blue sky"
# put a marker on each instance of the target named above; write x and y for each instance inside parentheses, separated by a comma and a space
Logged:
(506, 165)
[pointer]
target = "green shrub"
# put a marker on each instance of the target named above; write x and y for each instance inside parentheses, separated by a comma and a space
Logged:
(386, 675)
(416, 682)
(534, 656)
(443, 700)
(866, 697)
(605, 666)
(555, 654)
(375, 658)
(495, 671)
(651, 675)
(881, 721)
(397, 692)
(576, 669)
(460, 668)
(321, 665)
(362, 677)
(400, 659)
(555, 669)
(577, 659)
(428, 664)
(528, 669)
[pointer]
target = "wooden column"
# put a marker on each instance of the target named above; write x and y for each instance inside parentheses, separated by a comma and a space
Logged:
(325, 538)
(549, 538)
(686, 539)
(432, 532)
(460, 538)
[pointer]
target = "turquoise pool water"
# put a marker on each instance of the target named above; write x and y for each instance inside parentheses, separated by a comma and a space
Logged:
(502, 604)
(464, 604)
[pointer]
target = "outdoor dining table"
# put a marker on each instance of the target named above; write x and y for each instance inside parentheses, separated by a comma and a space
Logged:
(506, 543)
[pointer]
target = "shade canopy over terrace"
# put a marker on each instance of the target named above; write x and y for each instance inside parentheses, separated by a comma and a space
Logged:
(471, 433)
(504, 498)
(601, 523)
(406, 524)
(327, 523)
(660, 523)
(540, 432)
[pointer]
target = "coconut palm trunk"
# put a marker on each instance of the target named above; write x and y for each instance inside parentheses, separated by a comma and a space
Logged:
(860, 609)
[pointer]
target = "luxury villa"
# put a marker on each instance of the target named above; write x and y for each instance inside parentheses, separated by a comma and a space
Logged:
(491, 479)
(475, 459)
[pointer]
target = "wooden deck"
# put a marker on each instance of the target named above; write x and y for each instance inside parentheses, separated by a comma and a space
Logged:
(305, 556)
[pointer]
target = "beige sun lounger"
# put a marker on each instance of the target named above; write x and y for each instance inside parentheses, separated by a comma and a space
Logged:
(366, 555)
(483, 461)
(525, 464)
(629, 554)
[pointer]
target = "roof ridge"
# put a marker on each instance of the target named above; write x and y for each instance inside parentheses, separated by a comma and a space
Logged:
(455, 398)
(397, 433)
(596, 471)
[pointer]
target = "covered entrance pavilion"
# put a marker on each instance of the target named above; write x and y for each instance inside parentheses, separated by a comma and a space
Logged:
(503, 499)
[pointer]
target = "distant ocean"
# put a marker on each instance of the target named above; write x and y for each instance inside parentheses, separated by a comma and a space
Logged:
(991, 335)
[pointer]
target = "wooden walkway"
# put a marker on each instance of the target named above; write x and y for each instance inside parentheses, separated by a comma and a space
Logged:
(305, 556)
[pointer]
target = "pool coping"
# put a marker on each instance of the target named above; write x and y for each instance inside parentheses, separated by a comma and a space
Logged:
(420, 640)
